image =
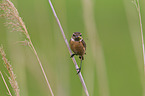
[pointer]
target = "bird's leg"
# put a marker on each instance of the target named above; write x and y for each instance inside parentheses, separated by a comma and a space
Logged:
(72, 55)
(80, 66)
(81, 57)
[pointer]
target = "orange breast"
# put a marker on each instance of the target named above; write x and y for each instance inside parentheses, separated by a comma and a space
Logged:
(77, 47)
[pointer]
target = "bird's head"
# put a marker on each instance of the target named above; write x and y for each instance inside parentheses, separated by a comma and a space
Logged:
(77, 36)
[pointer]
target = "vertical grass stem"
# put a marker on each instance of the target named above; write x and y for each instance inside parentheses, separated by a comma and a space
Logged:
(5, 84)
(74, 61)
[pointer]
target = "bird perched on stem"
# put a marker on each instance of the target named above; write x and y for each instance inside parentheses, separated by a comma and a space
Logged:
(78, 46)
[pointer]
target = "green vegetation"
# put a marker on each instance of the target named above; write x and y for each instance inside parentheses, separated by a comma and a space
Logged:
(113, 65)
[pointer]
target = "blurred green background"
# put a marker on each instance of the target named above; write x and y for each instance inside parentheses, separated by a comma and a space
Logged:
(113, 65)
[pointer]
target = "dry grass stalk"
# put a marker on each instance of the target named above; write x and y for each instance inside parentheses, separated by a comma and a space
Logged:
(12, 77)
(11, 14)
(136, 3)
(6, 84)
(67, 44)
(17, 24)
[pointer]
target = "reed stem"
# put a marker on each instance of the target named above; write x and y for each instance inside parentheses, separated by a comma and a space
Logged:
(67, 44)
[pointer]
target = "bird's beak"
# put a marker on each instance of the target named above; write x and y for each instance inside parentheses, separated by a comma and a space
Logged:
(78, 38)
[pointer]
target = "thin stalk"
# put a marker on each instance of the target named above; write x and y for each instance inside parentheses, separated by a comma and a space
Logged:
(133, 27)
(12, 15)
(141, 28)
(33, 48)
(67, 44)
(5, 84)
(140, 21)
(12, 78)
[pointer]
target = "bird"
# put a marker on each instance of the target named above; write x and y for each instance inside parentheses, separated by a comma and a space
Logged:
(78, 46)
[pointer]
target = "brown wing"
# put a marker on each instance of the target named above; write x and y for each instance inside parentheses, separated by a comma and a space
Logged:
(84, 44)
(69, 41)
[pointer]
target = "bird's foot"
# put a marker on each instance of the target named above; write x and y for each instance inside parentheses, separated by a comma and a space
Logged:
(79, 70)
(72, 55)
(81, 57)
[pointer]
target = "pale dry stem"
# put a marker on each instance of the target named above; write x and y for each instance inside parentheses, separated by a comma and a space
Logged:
(11, 14)
(5, 84)
(67, 44)
(12, 77)
(136, 3)
(17, 24)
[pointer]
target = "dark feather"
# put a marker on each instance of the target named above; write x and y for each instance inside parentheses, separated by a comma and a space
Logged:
(84, 44)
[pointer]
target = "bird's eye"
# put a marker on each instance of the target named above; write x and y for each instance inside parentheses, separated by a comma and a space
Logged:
(73, 34)
(81, 35)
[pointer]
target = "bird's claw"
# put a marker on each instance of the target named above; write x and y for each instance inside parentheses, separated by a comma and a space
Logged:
(79, 70)
(72, 55)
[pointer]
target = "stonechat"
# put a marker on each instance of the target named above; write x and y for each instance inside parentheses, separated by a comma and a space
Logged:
(78, 46)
